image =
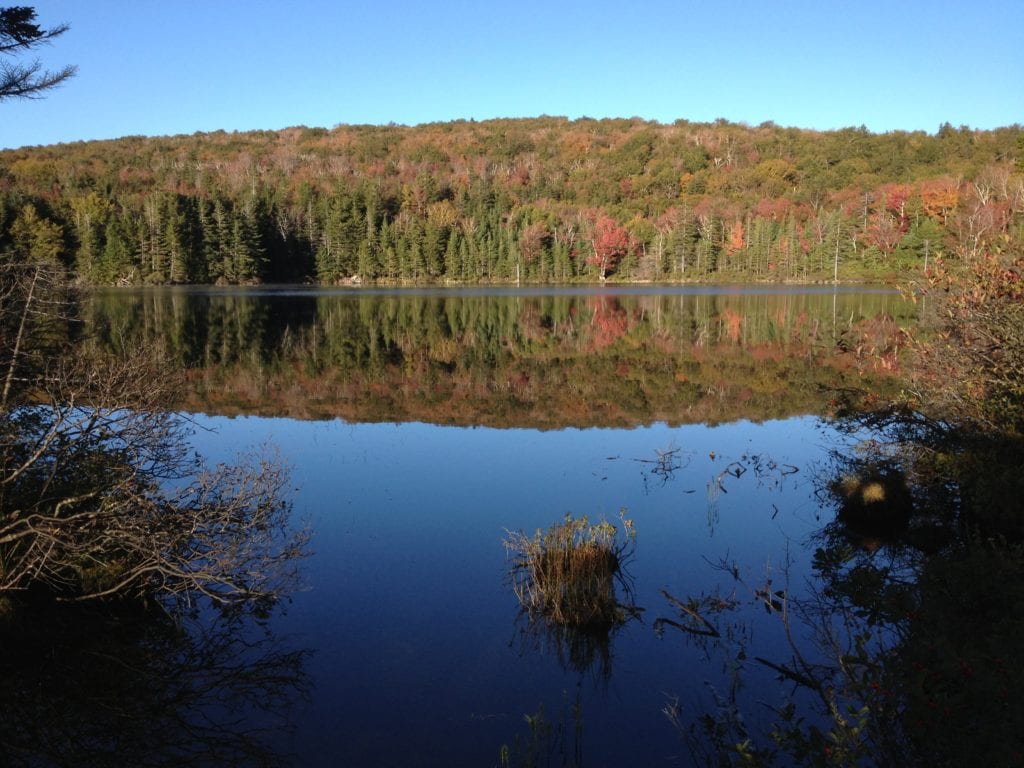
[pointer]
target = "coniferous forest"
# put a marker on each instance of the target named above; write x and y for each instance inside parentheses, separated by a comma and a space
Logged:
(534, 200)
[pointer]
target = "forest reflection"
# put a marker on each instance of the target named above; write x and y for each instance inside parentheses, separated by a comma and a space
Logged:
(542, 360)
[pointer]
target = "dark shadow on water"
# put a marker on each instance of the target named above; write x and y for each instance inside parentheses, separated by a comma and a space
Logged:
(83, 686)
(903, 647)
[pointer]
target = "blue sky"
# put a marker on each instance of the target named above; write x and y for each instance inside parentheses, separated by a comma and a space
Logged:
(181, 66)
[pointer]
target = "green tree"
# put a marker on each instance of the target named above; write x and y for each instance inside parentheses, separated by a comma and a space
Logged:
(116, 261)
(337, 255)
(35, 238)
(248, 256)
(91, 213)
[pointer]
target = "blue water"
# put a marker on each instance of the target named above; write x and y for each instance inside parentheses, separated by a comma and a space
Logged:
(419, 659)
(419, 655)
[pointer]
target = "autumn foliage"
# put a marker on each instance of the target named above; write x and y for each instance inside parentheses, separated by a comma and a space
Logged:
(537, 200)
(610, 243)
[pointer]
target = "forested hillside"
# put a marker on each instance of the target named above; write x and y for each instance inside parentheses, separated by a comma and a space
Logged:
(545, 199)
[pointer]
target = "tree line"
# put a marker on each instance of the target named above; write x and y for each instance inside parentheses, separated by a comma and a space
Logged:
(538, 200)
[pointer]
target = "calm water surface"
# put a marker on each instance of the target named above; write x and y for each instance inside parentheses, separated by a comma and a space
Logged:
(423, 426)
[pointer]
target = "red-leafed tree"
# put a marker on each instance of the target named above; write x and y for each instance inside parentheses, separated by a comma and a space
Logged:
(610, 242)
(884, 232)
(896, 197)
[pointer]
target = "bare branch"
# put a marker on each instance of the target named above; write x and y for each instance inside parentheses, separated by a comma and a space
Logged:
(100, 495)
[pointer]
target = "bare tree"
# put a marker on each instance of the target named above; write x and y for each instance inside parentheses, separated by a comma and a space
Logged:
(100, 495)
(19, 34)
(33, 321)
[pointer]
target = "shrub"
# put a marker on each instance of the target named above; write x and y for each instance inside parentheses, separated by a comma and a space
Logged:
(568, 574)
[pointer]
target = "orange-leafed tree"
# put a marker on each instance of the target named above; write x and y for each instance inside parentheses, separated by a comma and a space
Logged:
(736, 236)
(939, 197)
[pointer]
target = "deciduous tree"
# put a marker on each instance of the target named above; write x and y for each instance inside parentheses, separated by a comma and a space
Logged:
(610, 243)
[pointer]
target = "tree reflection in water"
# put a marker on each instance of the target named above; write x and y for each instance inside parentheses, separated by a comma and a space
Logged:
(93, 687)
(544, 360)
(902, 649)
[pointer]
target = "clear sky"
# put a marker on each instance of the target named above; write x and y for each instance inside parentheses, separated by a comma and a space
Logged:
(181, 66)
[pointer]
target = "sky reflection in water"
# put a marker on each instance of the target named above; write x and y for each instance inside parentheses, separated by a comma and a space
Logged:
(418, 657)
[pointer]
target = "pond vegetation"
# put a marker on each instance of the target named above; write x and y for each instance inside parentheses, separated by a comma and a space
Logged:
(906, 650)
(574, 588)
(569, 574)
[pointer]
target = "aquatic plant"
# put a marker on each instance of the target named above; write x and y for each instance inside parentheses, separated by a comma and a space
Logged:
(567, 575)
(548, 741)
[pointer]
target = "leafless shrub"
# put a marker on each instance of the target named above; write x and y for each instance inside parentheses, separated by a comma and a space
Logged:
(100, 495)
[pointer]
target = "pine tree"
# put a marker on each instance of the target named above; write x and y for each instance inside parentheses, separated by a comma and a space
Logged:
(452, 260)
(35, 238)
(90, 214)
(153, 231)
(115, 262)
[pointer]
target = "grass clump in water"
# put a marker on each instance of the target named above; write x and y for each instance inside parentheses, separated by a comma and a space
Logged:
(568, 574)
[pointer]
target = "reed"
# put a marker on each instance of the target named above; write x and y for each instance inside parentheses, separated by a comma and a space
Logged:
(568, 574)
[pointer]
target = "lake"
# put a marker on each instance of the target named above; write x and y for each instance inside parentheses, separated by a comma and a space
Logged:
(422, 426)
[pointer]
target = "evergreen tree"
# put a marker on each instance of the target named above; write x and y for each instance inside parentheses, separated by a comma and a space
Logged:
(18, 34)
(90, 215)
(247, 254)
(153, 247)
(452, 259)
(115, 262)
(35, 238)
